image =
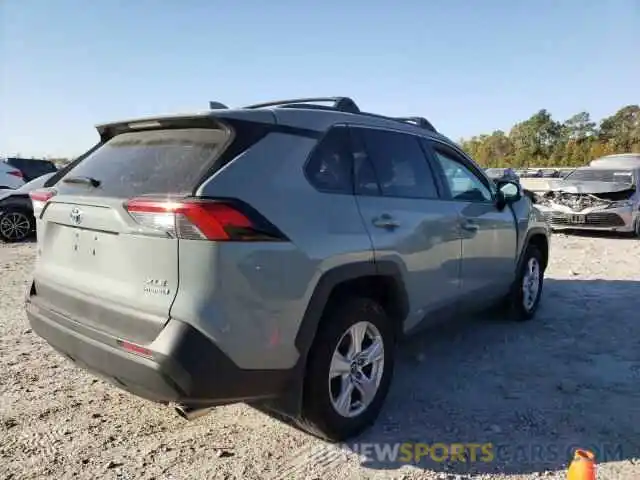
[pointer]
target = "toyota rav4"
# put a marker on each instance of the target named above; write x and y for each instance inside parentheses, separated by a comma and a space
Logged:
(273, 254)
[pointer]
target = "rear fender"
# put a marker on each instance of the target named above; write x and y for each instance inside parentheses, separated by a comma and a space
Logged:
(291, 403)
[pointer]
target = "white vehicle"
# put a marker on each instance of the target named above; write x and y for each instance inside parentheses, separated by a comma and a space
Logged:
(10, 177)
(601, 196)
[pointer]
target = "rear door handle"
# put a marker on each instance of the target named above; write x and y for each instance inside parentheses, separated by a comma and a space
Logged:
(385, 221)
(469, 226)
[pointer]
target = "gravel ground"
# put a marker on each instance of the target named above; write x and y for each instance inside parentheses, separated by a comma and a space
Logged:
(534, 390)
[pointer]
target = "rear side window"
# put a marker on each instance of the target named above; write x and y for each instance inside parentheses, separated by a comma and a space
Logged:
(330, 165)
(400, 164)
(152, 162)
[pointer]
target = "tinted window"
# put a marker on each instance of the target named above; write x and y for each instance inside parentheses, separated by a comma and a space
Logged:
(152, 162)
(41, 168)
(464, 184)
(330, 165)
(31, 168)
(400, 165)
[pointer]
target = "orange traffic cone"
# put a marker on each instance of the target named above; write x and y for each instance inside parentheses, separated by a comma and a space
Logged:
(583, 466)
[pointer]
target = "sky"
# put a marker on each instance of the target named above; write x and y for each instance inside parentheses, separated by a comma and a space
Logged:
(470, 66)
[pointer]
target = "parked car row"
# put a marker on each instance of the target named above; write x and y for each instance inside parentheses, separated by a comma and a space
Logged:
(543, 172)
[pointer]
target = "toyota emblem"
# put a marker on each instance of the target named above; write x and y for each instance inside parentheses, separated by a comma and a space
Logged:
(76, 216)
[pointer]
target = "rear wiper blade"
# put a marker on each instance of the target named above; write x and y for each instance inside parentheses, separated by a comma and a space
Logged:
(83, 180)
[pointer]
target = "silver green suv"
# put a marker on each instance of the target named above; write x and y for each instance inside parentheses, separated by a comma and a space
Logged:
(273, 254)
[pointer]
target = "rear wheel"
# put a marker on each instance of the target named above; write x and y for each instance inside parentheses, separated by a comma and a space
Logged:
(527, 289)
(15, 225)
(349, 370)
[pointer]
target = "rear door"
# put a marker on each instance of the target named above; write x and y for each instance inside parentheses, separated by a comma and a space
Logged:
(489, 237)
(103, 262)
(408, 224)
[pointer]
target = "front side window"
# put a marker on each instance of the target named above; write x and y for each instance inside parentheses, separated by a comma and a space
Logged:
(463, 183)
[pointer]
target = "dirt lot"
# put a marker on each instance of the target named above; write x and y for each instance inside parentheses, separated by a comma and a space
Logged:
(571, 377)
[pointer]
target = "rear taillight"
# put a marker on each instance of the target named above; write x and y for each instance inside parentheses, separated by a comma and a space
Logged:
(39, 199)
(203, 219)
(16, 173)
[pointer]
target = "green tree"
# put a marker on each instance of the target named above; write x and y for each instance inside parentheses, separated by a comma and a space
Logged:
(541, 141)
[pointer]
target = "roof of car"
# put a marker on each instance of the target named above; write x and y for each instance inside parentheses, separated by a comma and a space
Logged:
(294, 112)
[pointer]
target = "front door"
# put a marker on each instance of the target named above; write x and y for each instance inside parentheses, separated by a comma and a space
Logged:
(489, 237)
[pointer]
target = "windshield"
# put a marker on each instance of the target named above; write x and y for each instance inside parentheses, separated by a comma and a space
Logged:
(601, 175)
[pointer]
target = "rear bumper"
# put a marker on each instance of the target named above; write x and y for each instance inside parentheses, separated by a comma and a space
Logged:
(184, 367)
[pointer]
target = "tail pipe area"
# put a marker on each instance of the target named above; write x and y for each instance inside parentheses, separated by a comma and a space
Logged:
(191, 413)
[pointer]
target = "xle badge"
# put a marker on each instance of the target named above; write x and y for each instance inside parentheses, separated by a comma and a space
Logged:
(156, 287)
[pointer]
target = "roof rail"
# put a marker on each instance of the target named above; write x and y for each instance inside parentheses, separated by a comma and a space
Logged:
(418, 121)
(342, 104)
(217, 106)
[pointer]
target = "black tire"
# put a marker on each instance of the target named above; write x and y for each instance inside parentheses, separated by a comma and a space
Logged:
(12, 218)
(319, 417)
(519, 309)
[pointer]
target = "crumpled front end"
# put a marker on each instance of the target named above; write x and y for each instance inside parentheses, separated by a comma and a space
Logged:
(617, 211)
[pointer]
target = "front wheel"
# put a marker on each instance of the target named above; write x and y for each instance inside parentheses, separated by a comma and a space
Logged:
(527, 288)
(349, 371)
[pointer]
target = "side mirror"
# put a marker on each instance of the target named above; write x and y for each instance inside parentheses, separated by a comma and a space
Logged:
(508, 192)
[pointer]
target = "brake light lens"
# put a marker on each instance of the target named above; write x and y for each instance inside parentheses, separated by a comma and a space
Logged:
(203, 219)
(16, 173)
(39, 199)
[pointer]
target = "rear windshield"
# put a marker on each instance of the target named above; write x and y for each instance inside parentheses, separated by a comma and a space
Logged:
(601, 175)
(151, 162)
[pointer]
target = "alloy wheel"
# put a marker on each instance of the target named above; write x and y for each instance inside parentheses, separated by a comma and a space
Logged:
(15, 226)
(356, 369)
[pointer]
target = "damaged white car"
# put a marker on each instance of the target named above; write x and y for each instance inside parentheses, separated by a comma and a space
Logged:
(601, 196)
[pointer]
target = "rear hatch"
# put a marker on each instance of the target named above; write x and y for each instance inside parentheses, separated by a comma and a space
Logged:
(108, 243)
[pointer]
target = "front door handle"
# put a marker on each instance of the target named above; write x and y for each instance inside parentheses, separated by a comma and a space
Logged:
(469, 226)
(385, 221)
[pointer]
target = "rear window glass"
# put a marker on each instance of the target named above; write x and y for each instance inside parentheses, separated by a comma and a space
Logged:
(152, 162)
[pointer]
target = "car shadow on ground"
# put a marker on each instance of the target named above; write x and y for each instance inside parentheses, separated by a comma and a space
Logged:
(534, 391)
(596, 234)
